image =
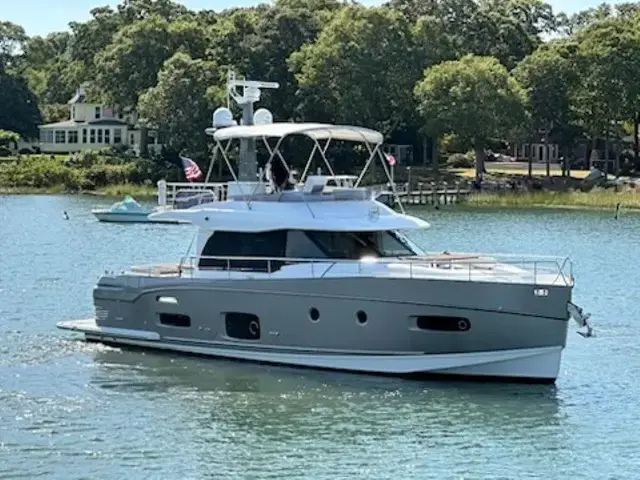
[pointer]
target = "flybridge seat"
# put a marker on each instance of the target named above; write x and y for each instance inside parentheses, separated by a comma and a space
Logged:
(314, 190)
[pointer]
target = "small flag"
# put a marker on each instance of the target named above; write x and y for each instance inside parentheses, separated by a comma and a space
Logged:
(391, 160)
(191, 169)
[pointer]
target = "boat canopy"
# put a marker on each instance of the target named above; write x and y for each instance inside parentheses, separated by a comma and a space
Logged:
(316, 131)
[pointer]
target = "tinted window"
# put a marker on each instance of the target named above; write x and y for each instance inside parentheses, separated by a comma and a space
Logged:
(240, 244)
(355, 245)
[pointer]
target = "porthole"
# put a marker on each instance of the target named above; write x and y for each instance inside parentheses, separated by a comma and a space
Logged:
(314, 314)
(361, 317)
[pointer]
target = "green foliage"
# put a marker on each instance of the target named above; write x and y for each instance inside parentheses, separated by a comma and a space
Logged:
(175, 111)
(40, 172)
(474, 97)
(19, 106)
(461, 160)
(335, 61)
(360, 69)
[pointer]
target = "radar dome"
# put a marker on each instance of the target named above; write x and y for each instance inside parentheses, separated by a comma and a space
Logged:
(223, 117)
(262, 117)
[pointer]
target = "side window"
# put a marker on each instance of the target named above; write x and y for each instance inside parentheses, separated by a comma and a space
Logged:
(238, 244)
(299, 245)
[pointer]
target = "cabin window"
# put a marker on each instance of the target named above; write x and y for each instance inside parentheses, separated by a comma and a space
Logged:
(443, 323)
(243, 326)
(240, 244)
(355, 245)
(299, 245)
(175, 320)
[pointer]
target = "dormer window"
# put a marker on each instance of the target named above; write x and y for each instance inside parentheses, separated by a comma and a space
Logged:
(98, 113)
(73, 112)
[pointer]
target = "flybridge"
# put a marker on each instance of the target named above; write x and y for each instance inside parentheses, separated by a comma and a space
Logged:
(278, 178)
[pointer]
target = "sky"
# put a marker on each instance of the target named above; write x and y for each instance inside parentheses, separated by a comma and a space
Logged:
(40, 17)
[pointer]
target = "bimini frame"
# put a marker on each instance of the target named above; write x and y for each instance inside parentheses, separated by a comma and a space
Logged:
(318, 132)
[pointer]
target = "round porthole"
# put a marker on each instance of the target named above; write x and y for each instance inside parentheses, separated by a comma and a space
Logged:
(361, 317)
(314, 314)
(463, 325)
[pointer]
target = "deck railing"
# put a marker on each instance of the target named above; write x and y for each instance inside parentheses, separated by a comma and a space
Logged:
(499, 268)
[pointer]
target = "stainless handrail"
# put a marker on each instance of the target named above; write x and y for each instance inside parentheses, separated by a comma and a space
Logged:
(536, 265)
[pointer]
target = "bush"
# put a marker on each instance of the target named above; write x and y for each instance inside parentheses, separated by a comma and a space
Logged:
(460, 160)
(5, 152)
(25, 151)
(103, 175)
(40, 172)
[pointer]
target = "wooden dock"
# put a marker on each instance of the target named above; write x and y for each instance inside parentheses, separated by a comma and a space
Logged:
(433, 194)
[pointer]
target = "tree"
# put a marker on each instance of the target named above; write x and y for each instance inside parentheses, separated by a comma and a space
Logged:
(474, 98)
(359, 70)
(12, 37)
(550, 76)
(19, 112)
(610, 90)
(179, 106)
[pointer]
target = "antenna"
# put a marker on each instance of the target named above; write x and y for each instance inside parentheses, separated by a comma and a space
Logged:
(248, 166)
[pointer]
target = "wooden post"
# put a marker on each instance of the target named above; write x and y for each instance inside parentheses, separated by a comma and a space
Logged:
(446, 193)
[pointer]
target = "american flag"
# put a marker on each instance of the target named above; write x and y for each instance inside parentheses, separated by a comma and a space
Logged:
(191, 169)
(391, 160)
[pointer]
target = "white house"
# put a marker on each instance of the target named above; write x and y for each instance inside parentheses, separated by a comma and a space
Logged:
(93, 126)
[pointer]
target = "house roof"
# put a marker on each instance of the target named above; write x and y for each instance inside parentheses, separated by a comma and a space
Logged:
(72, 124)
(77, 98)
(108, 121)
(65, 124)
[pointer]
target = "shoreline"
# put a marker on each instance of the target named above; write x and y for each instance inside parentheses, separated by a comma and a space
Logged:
(117, 190)
(596, 200)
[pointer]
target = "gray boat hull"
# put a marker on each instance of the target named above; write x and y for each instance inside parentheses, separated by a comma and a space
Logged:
(374, 325)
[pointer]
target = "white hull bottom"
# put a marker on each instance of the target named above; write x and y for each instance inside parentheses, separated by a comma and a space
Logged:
(531, 364)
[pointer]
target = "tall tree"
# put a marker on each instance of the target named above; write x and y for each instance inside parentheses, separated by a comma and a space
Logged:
(474, 98)
(179, 106)
(359, 70)
(19, 112)
(551, 77)
(12, 38)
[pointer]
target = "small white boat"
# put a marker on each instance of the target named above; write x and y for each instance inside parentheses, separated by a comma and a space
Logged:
(128, 211)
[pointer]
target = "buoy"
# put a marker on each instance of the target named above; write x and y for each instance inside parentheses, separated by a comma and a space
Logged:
(615, 216)
(65, 215)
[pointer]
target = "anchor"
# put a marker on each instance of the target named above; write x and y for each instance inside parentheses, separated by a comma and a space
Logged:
(580, 318)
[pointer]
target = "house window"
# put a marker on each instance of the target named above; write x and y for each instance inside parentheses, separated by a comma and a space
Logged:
(98, 113)
(107, 134)
(84, 135)
(73, 112)
(46, 136)
(99, 135)
(60, 136)
(72, 136)
(92, 135)
(132, 139)
(117, 136)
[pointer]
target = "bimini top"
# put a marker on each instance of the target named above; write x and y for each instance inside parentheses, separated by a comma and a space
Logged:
(317, 131)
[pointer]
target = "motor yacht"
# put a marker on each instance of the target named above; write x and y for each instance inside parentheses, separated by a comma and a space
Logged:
(315, 275)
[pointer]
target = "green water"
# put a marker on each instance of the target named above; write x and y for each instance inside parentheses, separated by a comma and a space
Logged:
(74, 410)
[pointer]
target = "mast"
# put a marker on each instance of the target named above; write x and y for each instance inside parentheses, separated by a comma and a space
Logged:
(247, 165)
